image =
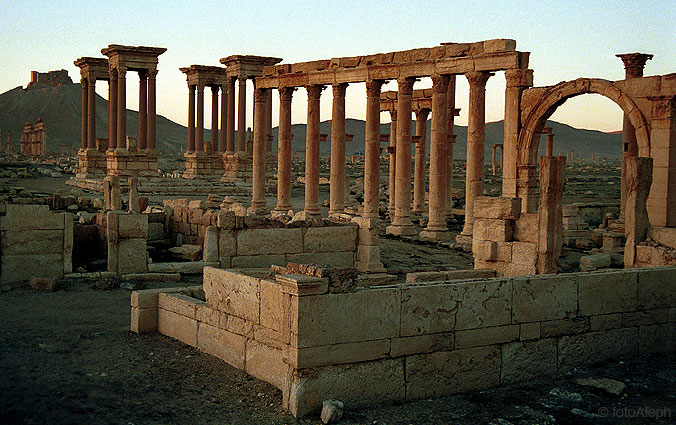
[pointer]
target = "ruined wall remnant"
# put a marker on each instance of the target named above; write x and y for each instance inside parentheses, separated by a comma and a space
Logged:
(34, 138)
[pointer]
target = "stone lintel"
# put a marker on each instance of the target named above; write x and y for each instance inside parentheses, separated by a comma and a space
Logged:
(205, 75)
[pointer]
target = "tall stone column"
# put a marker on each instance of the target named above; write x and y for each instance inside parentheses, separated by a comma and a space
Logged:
(337, 181)
(91, 113)
(214, 118)
(372, 150)
(312, 150)
(516, 81)
(550, 142)
(191, 119)
(121, 109)
(494, 166)
(230, 123)
(85, 117)
(241, 115)
(402, 225)
(419, 172)
(550, 213)
(142, 111)
(224, 119)
(258, 200)
(393, 155)
(199, 146)
(112, 109)
(476, 139)
(633, 68)
(284, 150)
(152, 110)
(451, 113)
(436, 228)
(268, 121)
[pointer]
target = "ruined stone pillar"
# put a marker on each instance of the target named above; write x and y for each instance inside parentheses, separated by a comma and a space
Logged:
(214, 118)
(436, 228)
(121, 109)
(517, 80)
(639, 177)
(402, 225)
(142, 111)
(268, 121)
(191, 119)
(230, 123)
(152, 111)
(550, 140)
(494, 168)
(550, 213)
(112, 110)
(91, 113)
(284, 150)
(84, 135)
(451, 113)
(419, 172)
(133, 205)
(372, 150)
(393, 161)
(199, 145)
(476, 139)
(224, 119)
(241, 115)
(312, 150)
(258, 200)
(633, 68)
(337, 181)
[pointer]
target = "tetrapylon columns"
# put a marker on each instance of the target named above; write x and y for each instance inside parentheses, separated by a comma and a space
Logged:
(121, 108)
(419, 172)
(230, 123)
(91, 113)
(258, 201)
(372, 150)
(152, 111)
(199, 146)
(393, 155)
(284, 150)
(191, 119)
(241, 115)
(312, 150)
(214, 119)
(337, 181)
(85, 116)
(143, 111)
(224, 119)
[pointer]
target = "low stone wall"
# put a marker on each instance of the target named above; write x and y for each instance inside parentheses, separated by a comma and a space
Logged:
(416, 341)
(34, 242)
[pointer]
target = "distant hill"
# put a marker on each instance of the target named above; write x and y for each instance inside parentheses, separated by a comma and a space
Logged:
(59, 108)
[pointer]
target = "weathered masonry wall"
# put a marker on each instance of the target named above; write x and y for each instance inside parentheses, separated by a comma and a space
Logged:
(34, 242)
(255, 242)
(415, 341)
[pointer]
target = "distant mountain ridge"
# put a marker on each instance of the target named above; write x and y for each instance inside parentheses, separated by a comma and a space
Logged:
(60, 109)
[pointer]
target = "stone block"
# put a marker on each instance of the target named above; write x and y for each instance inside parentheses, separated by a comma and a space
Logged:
(570, 326)
(644, 318)
(329, 259)
(497, 208)
(42, 284)
(445, 373)
(527, 361)
(178, 303)
(447, 275)
(207, 315)
(211, 244)
(657, 288)
(276, 241)
(499, 45)
(225, 345)
(236, 325)
(187, 252)
(330, 239)
(14, 268)
(227, 243)
(156, 231)
(328, 355)
(420, 344)
(607, 292)
(528, 331)
(270, 337)
(265, 363)
(484, 304)
(368, 230)
(659, 338)
(309, 388)
(257, 261)
(350, 317)
(524, 253)
(597, 346)
(271, 302)
(493, 230)
(31, 217)
(484, 250)
(526, 228)
(178, 327)
(544, 298)
(605, 322)
(132, 226)
(32, 242)
(148, 298)
(663, 235)
(143, 320)
(132, 256)
(486, 336)
(233, 293)
(428, 309)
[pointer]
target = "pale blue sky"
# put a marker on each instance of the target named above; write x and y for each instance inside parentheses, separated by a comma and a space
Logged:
(567, 40)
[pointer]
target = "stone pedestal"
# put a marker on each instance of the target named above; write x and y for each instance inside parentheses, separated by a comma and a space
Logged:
(200, 165)
(237, 167)
(123, 163)
(91, 164)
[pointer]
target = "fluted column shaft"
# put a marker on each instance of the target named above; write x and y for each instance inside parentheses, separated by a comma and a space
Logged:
(241, 115)
(337, 181)
(476, 138)
(393, 163)
(312, 150)
(152, 110)
(419, 172)
(191, 118)
(230, 123)
(121, 108)
(199, 144)
(438, 160)
(224, 118)
(84, 135)
(112, 109)
(372, 150)
(142, 111)
(258, 201)
(214, 118)
(284, 150)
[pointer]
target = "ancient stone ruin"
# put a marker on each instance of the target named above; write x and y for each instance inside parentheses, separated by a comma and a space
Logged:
(33, 139)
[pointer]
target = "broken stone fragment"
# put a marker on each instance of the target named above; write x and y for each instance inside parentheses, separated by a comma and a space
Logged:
(332, 411)
(43, 283)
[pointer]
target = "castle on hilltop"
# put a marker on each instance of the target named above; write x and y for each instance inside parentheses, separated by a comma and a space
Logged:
(49, 79)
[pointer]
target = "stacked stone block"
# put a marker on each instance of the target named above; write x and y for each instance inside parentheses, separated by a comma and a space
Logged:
(127, 237)
(34, 242)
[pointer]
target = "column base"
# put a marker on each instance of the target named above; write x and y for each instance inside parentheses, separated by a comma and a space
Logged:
(464, 242)
(435, 235)
(257, 210)
(237, 167)
(368, 259)
(401, 229)
(313, 211)
(123, 163)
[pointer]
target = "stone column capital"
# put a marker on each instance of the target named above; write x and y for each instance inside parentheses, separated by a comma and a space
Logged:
(519, 77)
(191, 88)
(478, 78)
(634, 63)
(121, 71)
(241, 80)
(373, 88)
(339, 89)
(152, 74)
(112, 73)
(200, 87)
(286, 93)
(440, 83)
(314, 91)
(83, 82)
(393, 115)
(405, 85)
(421, 114)
(214, 90)
(260, 95)
(142, 75)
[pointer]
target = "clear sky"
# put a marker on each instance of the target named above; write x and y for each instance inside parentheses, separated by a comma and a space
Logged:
(567, 40)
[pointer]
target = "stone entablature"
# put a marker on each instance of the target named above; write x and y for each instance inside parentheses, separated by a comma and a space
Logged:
(313, 342)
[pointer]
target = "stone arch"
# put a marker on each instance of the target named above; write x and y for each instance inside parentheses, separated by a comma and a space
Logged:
(555, 96)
